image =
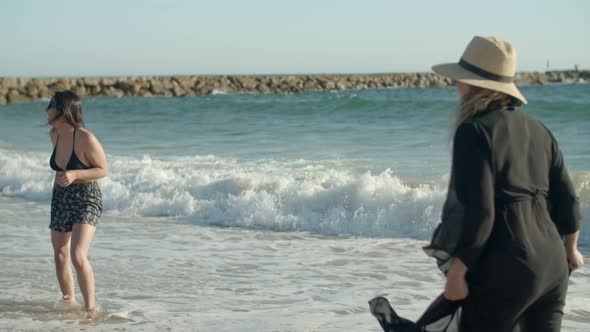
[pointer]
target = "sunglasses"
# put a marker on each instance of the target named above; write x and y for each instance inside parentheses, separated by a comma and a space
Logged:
(53, 104)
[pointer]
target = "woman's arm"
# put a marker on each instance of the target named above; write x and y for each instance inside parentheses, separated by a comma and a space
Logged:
(574, 257)
(474, 186)
(565, 207)
(95, 158)
(53, 136)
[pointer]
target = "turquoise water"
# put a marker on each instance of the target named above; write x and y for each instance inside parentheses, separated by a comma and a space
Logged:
(404, 129)
(371, 163)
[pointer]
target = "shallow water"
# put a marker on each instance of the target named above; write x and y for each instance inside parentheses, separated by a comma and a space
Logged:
(157, 274)
(256, 213)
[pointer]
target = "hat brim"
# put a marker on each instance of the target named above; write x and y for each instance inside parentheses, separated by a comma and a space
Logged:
(458, 73)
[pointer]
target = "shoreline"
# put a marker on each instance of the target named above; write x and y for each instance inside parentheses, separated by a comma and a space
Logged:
(260, 281)
(24, 89)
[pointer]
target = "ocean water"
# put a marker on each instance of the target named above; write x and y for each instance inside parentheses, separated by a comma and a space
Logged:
(257, 212)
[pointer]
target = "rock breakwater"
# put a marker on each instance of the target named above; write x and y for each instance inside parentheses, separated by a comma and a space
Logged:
(19, 89)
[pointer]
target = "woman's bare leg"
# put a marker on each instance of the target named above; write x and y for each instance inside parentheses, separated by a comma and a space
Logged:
(61, 254)
(81, 237)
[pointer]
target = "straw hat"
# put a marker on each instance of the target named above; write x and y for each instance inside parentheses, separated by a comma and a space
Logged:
(488, 62)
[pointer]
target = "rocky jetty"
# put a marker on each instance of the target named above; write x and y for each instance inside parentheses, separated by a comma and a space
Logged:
(15, 90)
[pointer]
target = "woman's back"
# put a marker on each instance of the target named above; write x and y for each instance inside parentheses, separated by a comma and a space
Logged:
(528, 173)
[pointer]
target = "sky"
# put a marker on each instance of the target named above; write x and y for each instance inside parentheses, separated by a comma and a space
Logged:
(41, 38)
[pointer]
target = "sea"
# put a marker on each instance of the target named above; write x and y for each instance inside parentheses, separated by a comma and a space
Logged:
(257, 212)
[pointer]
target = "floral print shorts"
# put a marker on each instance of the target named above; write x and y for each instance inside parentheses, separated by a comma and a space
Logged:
(75, 204)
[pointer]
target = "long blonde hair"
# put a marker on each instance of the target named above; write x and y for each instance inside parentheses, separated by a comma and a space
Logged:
(478, 100)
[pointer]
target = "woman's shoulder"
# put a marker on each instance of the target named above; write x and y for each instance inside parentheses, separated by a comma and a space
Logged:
(473, 125)
(544, 130)
(85, 136)
(491, 121)
(488, 117)
(473, 130)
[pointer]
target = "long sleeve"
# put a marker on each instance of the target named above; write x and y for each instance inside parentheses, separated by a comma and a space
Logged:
(474, 187)
(564, 204)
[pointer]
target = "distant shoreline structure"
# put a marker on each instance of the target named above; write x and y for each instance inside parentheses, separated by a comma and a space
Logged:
(21, 89)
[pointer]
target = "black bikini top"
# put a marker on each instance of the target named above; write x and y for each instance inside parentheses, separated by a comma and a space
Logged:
(73, 163)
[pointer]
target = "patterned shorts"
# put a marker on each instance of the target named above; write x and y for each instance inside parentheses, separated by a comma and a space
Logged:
(75, 204)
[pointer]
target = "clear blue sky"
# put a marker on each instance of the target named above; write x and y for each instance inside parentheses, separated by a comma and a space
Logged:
(158, 37)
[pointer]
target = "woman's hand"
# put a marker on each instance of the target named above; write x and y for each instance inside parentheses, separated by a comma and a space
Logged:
(64, 179)
(456, 287)
(574, 259)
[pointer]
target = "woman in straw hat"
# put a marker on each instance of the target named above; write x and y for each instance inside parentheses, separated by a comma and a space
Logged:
(511, 220)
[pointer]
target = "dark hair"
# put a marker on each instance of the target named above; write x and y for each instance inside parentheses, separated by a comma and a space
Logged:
(69, 105)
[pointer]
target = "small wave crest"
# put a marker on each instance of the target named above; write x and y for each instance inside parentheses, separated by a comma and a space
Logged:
(294, 195)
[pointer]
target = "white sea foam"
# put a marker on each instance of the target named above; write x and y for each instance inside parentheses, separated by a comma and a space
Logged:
(291, 195)
(218, 92)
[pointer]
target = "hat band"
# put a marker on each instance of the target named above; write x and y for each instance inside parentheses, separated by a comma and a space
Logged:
(484, 73)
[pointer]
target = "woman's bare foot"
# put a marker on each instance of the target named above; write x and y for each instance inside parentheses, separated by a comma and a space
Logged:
(66, 303)
(90, 313)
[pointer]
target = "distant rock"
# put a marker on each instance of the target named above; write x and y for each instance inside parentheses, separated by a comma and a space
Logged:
(15, 90)
(15, 96)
